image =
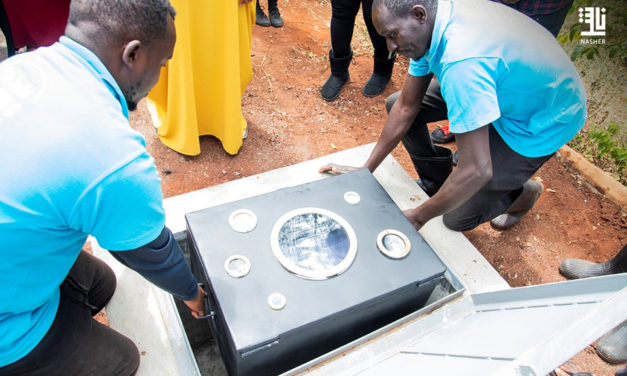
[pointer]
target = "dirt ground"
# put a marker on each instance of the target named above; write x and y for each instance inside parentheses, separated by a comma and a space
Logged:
(290, 123)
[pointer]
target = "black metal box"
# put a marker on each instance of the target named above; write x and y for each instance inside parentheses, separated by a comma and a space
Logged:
(268, 319)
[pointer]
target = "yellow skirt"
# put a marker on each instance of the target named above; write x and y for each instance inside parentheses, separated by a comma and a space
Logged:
(200, 89)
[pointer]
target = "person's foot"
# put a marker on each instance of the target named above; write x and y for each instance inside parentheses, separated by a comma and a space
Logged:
(525, 201)
(331, 89)
(339, 76)
(275, 16)
(576, 268)
(260, 17)
(376, 84)
(612, 347)
(442, 135)
(381, 74)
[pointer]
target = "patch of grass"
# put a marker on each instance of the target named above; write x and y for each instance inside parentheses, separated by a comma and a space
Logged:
(601, 147)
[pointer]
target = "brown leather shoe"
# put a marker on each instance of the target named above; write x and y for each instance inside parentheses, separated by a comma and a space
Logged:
(531, 192)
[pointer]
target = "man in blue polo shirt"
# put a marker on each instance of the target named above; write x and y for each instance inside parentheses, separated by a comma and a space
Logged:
(511, 95)
(74, 167)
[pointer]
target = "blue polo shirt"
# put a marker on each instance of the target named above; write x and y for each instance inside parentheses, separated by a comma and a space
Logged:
(496, 65)
(71, 166)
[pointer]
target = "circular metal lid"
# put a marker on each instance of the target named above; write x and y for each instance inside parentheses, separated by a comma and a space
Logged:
(352, 197)
(313, 243)
(237, 266)
(393, 243)
(277, 301)
(243, 220)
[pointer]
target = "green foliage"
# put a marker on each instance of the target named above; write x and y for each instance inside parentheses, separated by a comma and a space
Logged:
(606, 146)
(602, 147)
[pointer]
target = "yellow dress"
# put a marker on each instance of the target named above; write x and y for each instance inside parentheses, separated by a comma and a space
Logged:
(199, 91)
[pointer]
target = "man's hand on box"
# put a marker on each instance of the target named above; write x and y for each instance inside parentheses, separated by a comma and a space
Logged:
(336, 169)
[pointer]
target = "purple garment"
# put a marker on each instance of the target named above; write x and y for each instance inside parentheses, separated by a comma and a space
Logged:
(536, 7)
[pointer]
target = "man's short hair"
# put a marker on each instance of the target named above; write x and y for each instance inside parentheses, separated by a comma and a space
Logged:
(144, 20)
(401, 8)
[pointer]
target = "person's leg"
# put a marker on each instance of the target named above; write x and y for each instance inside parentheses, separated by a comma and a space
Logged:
(76, 344)
(343, 13)
(383, 63)
(433, 163)
(5, 27)
(510, 172)
(553, 21)
(260, 17)
(433, 108)
(378, 41)
(274, 14)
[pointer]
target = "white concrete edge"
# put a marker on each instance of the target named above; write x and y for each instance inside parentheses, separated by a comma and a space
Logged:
(148, 316)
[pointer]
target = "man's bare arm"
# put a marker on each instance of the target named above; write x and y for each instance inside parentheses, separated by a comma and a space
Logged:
(400, 119)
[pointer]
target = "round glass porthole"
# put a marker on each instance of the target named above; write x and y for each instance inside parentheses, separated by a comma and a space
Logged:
(352, 197)
(237, 266)
(393, 244)
(314, 243)
(277, 301)
(243, 220)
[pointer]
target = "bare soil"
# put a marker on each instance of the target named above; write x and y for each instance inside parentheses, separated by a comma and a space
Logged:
(288, 123)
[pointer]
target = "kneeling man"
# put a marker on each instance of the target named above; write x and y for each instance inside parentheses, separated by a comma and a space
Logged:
(511, 94)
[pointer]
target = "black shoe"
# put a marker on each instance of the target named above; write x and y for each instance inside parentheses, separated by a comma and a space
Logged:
(339, 75)
(260, 17)
(442, 135)
(331, 89)
(576, 268)
(612, 347)
(375, 85)
(275, 17)
(524, 202)
(380, 76)
(273, 12)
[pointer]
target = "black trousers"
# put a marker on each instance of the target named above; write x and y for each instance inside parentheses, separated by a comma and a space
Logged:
(553, 21)
(343, 14)
(510, 170)
(76, 344)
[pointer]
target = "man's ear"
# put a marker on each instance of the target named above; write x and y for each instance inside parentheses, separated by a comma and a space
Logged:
(419, 12)
(130, 55)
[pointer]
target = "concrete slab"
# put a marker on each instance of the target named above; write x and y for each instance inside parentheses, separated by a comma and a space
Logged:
(149, 316)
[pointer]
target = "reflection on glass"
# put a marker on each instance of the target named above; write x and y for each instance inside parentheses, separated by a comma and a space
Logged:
(243, 220)
(238, 266)
(313, 241)
(394, 243)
